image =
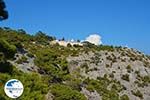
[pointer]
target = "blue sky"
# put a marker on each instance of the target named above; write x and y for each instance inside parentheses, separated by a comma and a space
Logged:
(118, 22)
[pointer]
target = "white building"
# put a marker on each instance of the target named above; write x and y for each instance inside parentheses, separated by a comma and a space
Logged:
(65, 43)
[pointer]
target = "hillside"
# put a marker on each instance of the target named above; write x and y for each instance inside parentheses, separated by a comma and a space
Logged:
(50, 71)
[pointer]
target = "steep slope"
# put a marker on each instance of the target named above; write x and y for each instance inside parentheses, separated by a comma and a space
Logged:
(73, 72)
(128, 67)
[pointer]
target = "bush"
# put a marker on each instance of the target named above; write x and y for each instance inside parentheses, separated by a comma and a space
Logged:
(129, 69)
(106, 47)
(8, 50)
(30, 55)
(124, 97)
(69, 45)
(74, 83)
(62, 92)
(4, 65)
(42, 38)
(125, 77)
(23, 59)
(138, 94)
(84, 65)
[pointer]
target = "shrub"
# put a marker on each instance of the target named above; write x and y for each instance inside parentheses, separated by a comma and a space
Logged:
(30, 55)
(107, 65)
(69, 45)
(125, 77)
(74, 83)
(62, 92)
(8, 50)
(146, 79)
(143, 81)
(111, 75)
(124, 97)
(23, 59)
(84, 65)
(106, 47)
(4, 65)
(129, 69)
(138, 94)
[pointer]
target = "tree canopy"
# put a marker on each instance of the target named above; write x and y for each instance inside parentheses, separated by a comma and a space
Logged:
(3, 12)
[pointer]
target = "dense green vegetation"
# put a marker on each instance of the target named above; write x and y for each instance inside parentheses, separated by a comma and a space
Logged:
(125, 77)
(138, 94)
(124, 97)
(53, 74)
(50, 59)
(62, 92)
(7, 51)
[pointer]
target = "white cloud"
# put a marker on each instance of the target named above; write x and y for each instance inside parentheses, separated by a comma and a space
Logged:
(94, 38)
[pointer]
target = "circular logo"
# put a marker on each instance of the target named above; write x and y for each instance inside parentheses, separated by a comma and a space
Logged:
(13, 88)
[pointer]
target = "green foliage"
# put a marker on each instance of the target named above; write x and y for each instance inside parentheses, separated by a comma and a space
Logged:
(15, 37)
(4, 65)
(42, 38)
(69, 45)
(138, 94)
(84, 65)
(106, 47)
(146, 79)
(30, 55)
(21, 31)
(62, 92)
(125, 77)
(124, 97)
(52, 63)
(23, 59)
(3, 11)
(117, 87)
(7, 49)
(129, 69)
(142, 81)
(34, 87)
(74, 83)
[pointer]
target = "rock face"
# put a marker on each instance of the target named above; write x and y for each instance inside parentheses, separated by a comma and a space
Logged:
(23, 62)
(131, 68)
